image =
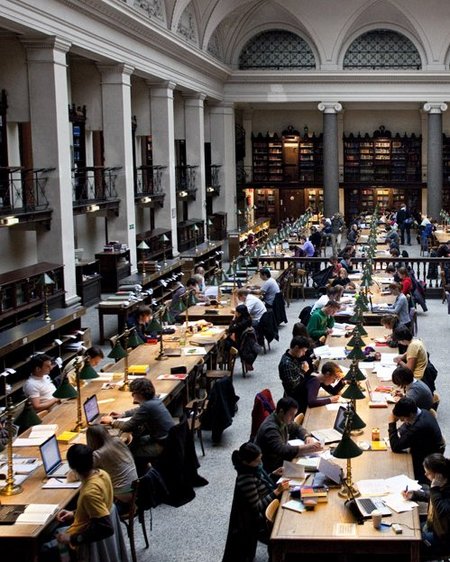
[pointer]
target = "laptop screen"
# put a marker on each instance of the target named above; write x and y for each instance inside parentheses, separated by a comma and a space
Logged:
(51, 457)
(339, 422)
(91, 410)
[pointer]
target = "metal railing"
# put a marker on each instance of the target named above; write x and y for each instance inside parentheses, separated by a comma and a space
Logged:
(186, 180)
(148, 180)
(213, 180)
(94, 184)
(22, 190)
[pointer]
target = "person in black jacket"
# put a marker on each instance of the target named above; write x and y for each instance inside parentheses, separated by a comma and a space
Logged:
(436, 531)
(241, 321)
(420, 433)
(253, 492)
(140, 321)
(404, 221)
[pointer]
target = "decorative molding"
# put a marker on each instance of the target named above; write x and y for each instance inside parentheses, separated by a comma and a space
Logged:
(152, 8)
(187, 26)
(215, 45)
(329, 107)
(435, 107)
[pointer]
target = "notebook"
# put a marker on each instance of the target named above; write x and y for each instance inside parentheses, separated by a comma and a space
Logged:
(333, 434)
(51, 458)
(91, 410)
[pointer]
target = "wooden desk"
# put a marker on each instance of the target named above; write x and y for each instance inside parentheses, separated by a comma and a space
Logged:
(256, 281)
(442, 236)
(120, 310)
(22, 540)
(313, 532)
(221, 316)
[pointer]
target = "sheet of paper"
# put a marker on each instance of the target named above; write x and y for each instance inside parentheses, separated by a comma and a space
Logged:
(344, 530)
(333, 407)
(296, 442)
(397, 484)
(293, 470)
(54, 483)
(373, 487)
(397, 503)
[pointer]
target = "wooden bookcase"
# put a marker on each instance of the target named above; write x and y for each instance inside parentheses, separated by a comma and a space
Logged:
(157, 248)
(114, 266)
(22, 292)
(88, 279)
(275, 159)
(237, 240)
(187, 237)
(18, 344)
(218, 229)
(360, 199)
(207, 254)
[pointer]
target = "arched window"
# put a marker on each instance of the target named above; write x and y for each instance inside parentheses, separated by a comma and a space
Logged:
(276, 49)
(382, 49)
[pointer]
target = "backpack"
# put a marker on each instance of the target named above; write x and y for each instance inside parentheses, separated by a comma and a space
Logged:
(262, 407)
(429, 376)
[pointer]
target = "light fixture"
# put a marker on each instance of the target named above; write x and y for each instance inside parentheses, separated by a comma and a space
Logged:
(145, 200)
(183, 193)
(119, 352)
(347, 449)
(164, 239)
(8, 221)
(210, 189)
(92, 208)
(46, 281)
(143, 246)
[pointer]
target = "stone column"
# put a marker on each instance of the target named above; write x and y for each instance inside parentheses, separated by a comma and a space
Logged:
(223, 152)
(195, 152)
(163, 133)
(330, 156)
(434, 157)
(47, 85)
(247, 123)
(118, 143)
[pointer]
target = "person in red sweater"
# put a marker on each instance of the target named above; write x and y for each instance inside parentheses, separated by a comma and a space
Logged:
(405, 281)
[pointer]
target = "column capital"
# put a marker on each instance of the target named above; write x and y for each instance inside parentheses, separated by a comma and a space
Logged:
(224, 107)
(194, 96)
(115, 73)
(435, 107)
(166, 85)
(49, 43)
(329, 106)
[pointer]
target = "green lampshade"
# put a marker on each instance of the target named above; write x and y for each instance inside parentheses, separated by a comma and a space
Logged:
(357, 423)
(353, 392)
(27, 418)
(88, 372)
(360, 329)
(45, 280)
(191, 299)
(167, 317)
(65, 390)
(117, 352)
(134, 340)
(347, 449)
(356, 340)
(354, 373)
(154, 326)
(356, 353)
(143, 246)
(180, 306)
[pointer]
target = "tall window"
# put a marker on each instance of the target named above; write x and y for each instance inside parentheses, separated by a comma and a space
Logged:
(275, 50)
(382, 49)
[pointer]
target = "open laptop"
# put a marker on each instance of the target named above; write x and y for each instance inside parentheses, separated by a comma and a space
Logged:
(91, 410)
(331, 435)
(330, 474)
(51, 458)
(367, 505)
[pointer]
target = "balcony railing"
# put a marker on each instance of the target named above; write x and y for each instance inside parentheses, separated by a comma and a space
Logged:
(94, 184)
(243, 175)
(148, 181)
(185, 181)
(213, 180)
(23, 190)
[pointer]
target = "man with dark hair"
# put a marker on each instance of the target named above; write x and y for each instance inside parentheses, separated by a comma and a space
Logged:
(292, 369)
(321, 322)
(307, 246)
(149, 423)
(276, 430)
(413, 388)
(420, 433)
(255, 305)
(39, 387)
(269, 288)
(416, 356)
(140, 321)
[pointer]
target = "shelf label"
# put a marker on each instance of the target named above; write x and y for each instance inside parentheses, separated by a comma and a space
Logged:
(24, 341)
(131, 227)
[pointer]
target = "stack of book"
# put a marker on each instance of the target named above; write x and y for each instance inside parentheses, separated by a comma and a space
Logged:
(139, 370)
(148, 266)
(317, 493)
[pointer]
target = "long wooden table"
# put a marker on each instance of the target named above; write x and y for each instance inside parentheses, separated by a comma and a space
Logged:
(21, 541)
(314, 532)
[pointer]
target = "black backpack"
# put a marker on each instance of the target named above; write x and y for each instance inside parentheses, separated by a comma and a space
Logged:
(305, 315)
(430, 375)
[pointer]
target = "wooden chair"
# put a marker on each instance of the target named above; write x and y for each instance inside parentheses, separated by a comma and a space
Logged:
(298, 283)
(285, 287)
(436, 400)
(128, 520)
(271, 511)
(299, 418)
(227, 369)
(194, 410)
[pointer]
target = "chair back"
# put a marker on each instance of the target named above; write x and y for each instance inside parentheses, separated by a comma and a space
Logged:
(299, 418)
(263, 406)
(271, 511)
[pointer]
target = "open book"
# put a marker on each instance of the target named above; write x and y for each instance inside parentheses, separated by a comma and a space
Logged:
(37, 513)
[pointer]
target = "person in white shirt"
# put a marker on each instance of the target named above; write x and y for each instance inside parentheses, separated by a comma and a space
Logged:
(269, 288)
(254, 305)
(333, 293)
(39, 387)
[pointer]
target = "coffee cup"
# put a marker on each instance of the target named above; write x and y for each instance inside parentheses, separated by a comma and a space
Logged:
(376, 519)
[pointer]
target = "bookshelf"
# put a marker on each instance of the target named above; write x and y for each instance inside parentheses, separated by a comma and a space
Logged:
(114, 266)
(237, 240)
(207, 254)
(156, 247)
(88, 280)
(187, 236)
(275, 159)
(267, 204)
(260, 158)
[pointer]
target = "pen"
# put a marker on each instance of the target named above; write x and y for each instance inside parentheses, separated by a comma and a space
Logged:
(406, 489)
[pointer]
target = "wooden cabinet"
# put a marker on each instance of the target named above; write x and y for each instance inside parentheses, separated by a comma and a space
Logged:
(218, 229)
(237, 240)
(364, 199)
(209, 255)
(314, 200)
(22, 293)
(57, 338)
(88, 281)
(113, 267)
(267, 205)
(291, 140)
(188, 236)
(382, 158)
(157, 249)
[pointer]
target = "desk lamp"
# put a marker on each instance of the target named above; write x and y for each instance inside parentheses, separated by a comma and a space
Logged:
(164, 239)
(209, 224)
(143, 247)
(119, 352)
(46, 281)
(196, 231)
(160, 316)
(347, 449)
(10, 488)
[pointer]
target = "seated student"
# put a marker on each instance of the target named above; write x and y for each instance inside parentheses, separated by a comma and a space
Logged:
(149, 423)
(94, 532)
(400, 306)
(436, 530)
(199, 275)
(353, 234)
(240, 337)
(93, 355)
(298, 330)
(39, 387)
(346, 263)
(180, 292)
(343, 280)
(254, 490)
(419, 432)
(254, 305)
(412, 388)
(275, 431)
(392, 236)
(307, 248)
(292, 368)
(140, 321)
(321, 322)
(115, 458)
(333, 293)
(328, 377)
(269, 288)
(415, 357)
(390, 322)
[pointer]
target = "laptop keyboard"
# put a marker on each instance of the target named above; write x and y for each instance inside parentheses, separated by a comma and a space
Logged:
(367, 504)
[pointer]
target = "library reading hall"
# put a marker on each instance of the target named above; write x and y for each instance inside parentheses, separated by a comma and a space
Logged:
(225, 280)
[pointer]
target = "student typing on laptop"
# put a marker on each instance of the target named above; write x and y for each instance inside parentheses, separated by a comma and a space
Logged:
(149, 423)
